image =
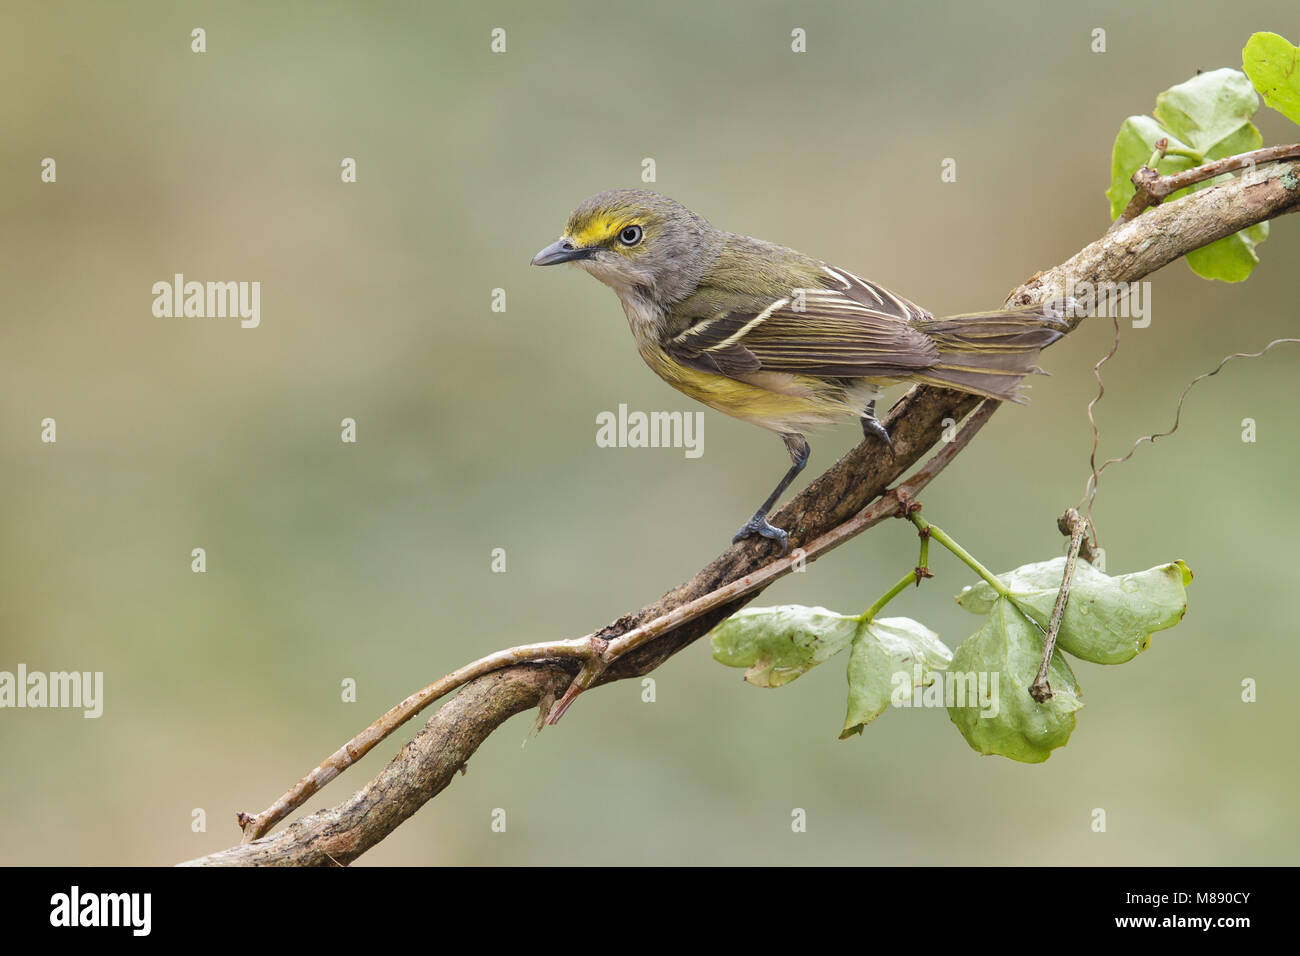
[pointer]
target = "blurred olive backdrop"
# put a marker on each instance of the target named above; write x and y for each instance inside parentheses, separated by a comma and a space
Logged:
(476, 429)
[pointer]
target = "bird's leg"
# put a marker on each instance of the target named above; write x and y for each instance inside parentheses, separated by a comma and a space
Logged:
(798, 449)
(871, 427)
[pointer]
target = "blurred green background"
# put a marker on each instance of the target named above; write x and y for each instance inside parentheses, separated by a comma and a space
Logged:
(476, 429)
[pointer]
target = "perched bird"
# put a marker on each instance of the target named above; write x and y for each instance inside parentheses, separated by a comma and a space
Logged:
(774, 337)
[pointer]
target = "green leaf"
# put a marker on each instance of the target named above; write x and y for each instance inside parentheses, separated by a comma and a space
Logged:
(1208, 109)
(1273, 65)
(1108, 620)
(777, 644)
(1011, 723)
(1248, 137)
(889, 654)
(1230, 259)
(1207, 118)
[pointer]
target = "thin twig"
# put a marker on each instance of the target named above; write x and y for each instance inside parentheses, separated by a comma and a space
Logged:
(1153, 189)
(255, 825)
(883, 507)
(1040, 689)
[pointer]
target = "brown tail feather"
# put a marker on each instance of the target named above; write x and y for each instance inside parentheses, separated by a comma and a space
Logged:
(988, 353)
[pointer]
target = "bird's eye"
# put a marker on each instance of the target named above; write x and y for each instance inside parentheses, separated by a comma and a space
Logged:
(630, 236)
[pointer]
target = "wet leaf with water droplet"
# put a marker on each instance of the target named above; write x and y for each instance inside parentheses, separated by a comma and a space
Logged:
(1010, 722)
(777, 644)
(1108, 620)
(890, 655)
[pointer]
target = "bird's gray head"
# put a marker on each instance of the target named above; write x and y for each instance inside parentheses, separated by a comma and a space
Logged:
(638, 243)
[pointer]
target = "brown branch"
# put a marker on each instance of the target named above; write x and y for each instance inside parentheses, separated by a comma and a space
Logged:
(1170, 231)
(917, 422)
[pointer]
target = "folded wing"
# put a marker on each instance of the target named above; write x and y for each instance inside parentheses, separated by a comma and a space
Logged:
(847, 328)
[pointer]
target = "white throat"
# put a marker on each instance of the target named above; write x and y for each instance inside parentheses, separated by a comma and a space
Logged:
(643, 315)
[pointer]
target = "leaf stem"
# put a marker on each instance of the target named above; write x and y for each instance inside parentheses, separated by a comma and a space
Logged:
(966, 557)
(915, 576)
(969, 560)
(908, 579)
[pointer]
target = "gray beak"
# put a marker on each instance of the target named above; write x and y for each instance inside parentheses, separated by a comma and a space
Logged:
(562, 250)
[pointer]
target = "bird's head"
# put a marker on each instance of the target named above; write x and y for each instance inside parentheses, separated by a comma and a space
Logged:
(638, 243)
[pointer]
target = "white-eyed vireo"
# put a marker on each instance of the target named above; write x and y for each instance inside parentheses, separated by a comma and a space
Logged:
(774, 337)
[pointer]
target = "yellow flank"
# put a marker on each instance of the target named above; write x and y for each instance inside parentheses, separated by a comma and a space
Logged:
(783, 403)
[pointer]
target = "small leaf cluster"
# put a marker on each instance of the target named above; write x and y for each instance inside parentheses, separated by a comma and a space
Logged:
(1108, 620)
(1208, 117)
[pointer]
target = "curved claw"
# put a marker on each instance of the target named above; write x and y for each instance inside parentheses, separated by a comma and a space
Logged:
(761, 526)
(871, 427)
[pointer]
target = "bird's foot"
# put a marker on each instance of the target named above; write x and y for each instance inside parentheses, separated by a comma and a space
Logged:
(761, 526)
(871, 428)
